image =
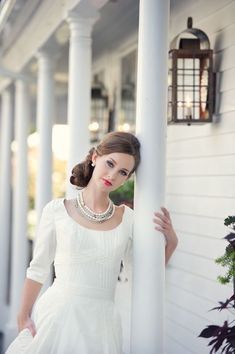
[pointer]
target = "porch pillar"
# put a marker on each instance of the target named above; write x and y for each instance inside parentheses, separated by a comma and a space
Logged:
(147, 334)
(19, 254)
(45, 117)
(5, 198)
(80, 22)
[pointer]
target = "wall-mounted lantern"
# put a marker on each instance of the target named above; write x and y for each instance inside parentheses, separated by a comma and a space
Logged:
(127, 112)
(128, 107)
(99, 111)
(191, 79)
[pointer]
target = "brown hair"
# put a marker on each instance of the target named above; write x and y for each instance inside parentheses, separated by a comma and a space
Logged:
(121, 142)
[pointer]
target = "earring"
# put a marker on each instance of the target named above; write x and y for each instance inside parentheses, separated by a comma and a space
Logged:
(93, 164)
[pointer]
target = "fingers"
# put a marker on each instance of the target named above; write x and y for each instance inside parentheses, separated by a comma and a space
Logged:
(163, 221)
(163, 225)
(165, 211)
(159, 229)
(32, 330)
(165, 216)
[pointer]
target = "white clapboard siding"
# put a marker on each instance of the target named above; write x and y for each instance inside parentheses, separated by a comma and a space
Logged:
(203, 146)
(207, 247)
(200, 191)
(224, 80)
(208, 166)
(197, 265)
(217, 20)
(187, 321)
(201, 11)
(222, 39)
(188, 318)
(225, 102)
(200, 225)
(212, 289)
(196, 305)
(224, 124)
(206, 186)
(201, 206)
(224, 60)
(173, 346)
(185, 336)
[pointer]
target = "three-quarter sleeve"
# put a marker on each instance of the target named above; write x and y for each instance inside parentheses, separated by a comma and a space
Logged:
(45, 246)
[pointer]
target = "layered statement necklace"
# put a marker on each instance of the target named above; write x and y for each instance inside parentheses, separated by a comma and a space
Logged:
(90, 214)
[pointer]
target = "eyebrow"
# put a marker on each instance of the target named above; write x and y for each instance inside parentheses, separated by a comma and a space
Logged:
(116, 163)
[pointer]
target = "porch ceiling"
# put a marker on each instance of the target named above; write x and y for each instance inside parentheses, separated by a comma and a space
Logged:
(118, 19)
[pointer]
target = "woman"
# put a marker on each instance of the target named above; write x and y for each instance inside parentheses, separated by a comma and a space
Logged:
(86, 238)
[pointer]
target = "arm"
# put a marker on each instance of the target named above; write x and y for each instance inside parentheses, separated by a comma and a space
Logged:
(39, 268)
(30, 293)
(164, 225)
(169, 249)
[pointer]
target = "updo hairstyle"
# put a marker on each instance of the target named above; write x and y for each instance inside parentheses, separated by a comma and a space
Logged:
(113, 142)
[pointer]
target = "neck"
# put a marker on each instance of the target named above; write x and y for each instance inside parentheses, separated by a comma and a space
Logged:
(95, 199)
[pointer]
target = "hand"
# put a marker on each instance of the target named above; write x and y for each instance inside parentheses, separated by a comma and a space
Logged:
(164, 225)
(24, 321)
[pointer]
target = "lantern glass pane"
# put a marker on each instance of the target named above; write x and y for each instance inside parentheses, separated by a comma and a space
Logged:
(188, 63)
(196, 79)
(180, 72)
(180, 80)
(180, 112)
(188, 96)
(180, 63)
(196, 63)
(180, 96)
(196, 96)
(197, 112)
(188, 79)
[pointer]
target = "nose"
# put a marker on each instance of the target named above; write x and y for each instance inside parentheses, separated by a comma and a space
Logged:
(112, 176)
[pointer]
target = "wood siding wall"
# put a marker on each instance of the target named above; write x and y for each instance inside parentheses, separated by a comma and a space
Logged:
(201, 192)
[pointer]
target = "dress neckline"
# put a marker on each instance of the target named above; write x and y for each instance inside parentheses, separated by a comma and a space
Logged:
(87, 228)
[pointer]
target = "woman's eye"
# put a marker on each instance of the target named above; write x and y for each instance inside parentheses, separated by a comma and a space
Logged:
(109, 163)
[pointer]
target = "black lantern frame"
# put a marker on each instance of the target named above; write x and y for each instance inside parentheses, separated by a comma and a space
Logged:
(99, 110)
(128, 104)
(191, 79)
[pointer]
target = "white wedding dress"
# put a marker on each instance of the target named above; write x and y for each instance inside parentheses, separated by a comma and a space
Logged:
(77, 313)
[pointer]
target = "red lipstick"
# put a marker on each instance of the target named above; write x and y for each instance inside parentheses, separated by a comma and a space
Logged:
(106, 182)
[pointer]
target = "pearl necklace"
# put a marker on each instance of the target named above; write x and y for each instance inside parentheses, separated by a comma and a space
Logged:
(89, 214)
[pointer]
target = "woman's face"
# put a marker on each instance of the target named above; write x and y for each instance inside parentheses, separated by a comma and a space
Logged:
(112, 170)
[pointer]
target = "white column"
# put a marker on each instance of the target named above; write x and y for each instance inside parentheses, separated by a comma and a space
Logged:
(79, 91)
(5, 197)
(45, 117)
(149, 251)
(19, 254)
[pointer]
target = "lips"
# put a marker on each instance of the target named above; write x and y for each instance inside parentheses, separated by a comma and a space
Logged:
(106, 182)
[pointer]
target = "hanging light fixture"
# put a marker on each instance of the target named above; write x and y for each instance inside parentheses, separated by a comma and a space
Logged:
(191, 79)
(99, 110)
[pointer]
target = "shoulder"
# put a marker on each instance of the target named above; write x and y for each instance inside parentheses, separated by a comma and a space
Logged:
(128, 210)
(52, 206)
(128, 215)
(124, 209)
(128, 220)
